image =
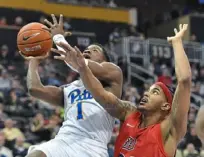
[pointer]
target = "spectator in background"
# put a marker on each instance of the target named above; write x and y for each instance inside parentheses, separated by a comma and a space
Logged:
(132, 95)
(190, 151)
(124, 33)
(17, 57)
(194, 71)
(53, 125)
(201, 75)
(5, 58)
(193, 38)
(37, 122)
(13, 103)
(147, 84)
(19, 21)
(3, 21)
(154, 66)
(4, 151)
(11, 132)
(133, 32)
(38, 128)
(20, 149)
(3, 116)
(196, 88)
(112, 4)
(191, 119)
(114, 36)
(191, 137)
(53, 80)
(48, 67)
(19, 89)
(166, 76)
(67, 25)
(200, 81)
(5, 82)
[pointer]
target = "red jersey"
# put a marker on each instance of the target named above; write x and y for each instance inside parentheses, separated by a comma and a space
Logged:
(139, 142)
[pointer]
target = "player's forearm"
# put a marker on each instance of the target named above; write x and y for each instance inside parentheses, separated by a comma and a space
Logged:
(182, 66)
(93, 85)
(116, 107)
(33, 78)
(181, 100)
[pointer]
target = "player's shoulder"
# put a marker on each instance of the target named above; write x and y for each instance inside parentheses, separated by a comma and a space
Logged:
(111, 65)
(113, 70)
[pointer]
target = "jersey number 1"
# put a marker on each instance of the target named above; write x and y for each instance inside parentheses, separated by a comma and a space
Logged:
(79, 111)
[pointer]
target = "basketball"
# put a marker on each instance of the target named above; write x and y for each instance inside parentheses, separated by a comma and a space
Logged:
(34, 39)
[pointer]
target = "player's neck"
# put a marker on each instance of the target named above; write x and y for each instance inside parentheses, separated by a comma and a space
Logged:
(148, 120)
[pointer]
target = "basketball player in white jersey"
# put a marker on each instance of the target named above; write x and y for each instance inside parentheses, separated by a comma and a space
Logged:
(87, 126)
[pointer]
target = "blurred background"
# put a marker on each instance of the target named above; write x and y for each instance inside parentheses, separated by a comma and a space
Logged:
(134, 33)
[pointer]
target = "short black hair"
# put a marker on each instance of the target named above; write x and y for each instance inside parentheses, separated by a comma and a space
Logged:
(104, 51)
(171, 89)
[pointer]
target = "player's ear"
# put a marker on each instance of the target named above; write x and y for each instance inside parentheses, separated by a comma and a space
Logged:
(165, 107)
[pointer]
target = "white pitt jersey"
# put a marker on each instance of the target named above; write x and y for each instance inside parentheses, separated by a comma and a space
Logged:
(84, 116)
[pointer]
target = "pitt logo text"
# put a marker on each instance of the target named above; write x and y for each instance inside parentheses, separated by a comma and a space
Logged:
(78, 95)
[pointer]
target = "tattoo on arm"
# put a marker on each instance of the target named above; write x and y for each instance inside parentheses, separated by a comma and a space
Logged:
(125, 107)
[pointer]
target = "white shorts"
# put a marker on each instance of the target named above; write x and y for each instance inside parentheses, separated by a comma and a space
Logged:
(71, 147)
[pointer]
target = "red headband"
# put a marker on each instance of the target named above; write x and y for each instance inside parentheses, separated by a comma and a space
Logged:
(166, 91)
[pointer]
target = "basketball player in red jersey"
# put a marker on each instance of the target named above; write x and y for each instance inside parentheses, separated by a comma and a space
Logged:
(157, 124)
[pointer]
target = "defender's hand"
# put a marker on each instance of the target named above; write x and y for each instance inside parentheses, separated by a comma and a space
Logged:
(178, 35)
(68, 55)
(72, 56)
(81, 61)
(57, 28)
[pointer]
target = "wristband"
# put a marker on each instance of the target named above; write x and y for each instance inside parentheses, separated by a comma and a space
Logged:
(60, 38)
(57, 39)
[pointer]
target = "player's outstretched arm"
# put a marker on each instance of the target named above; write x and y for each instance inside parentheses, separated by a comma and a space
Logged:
(177, 121)
(200, 124)
(116, 107)
(50, 94)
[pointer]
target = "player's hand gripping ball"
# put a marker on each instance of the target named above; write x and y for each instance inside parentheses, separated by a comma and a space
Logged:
(34, 40)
